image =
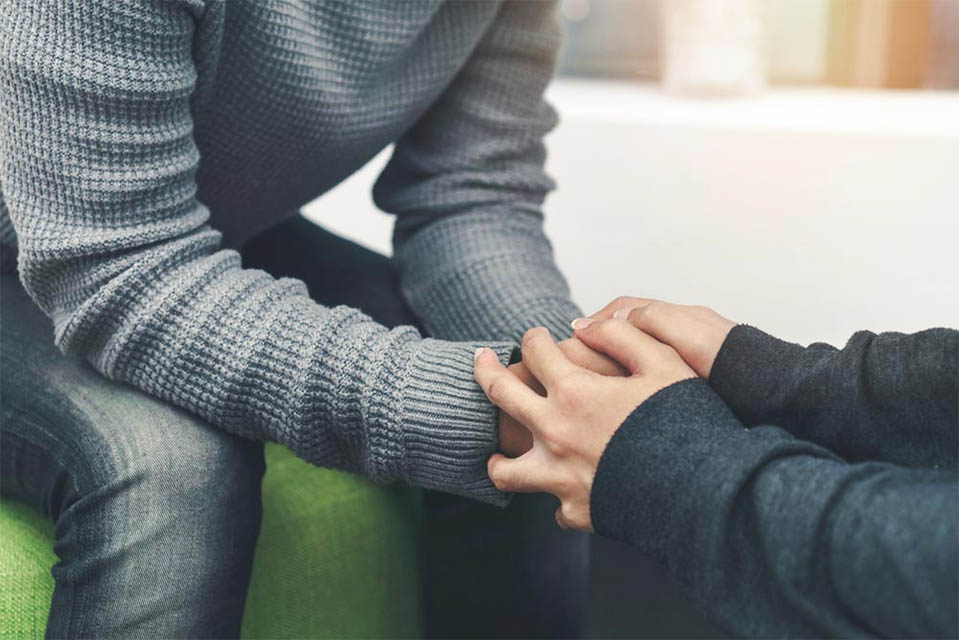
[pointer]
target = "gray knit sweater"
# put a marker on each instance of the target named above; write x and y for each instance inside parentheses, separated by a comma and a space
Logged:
(140, 141)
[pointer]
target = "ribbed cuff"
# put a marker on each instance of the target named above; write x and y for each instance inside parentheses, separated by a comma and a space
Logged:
(639, 489)
(752, 371)
(449, 427)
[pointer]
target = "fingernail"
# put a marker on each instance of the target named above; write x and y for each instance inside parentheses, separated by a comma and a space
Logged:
(581, 323)
(622, 313)
(478, 353)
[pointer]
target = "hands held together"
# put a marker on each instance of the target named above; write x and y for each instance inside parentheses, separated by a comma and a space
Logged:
(561, 405)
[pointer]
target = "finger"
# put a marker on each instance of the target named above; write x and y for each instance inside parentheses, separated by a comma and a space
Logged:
(544, 359)
(520, 371)
(561, 519)
(623, 342)
(582, 356)
(514, 438)
(506, 391)
(621, 302)
(696, 333)
(525, 474)
(661, 320)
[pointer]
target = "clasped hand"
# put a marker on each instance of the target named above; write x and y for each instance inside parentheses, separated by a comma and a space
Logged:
(561, 405)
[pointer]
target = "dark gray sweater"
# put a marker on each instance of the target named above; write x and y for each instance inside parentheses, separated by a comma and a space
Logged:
(840, 521)
(141, 142)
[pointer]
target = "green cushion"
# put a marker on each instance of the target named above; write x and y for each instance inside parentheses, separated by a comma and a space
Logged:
(337, 557)
(26, 555)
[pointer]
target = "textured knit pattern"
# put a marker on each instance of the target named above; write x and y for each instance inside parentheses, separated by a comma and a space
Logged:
(775, 536)
(138, 139)
(889, 396)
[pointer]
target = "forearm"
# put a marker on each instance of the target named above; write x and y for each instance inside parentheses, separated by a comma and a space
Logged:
(773, 536)
(98, 178)
(257, 357)
(885, 397)
(485, 276)
(467, 184)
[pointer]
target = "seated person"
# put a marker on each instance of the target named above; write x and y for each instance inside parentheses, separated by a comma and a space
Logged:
(165, 311)
(790, 491)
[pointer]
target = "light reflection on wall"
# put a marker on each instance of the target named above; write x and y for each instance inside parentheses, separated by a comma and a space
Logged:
(862, 43)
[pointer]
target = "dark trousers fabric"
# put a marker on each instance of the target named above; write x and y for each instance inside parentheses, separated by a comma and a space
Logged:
(487, 572)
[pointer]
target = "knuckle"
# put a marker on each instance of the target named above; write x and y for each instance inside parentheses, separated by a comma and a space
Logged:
(499, 476)
(558, 446)
(536, 333)
(655, 307)
(567, 386)
(569, 390)
(575, 515)
(495, 390)
(501, 482)
(616, 328)
(623, 300)
(638, 315)
(605, 328)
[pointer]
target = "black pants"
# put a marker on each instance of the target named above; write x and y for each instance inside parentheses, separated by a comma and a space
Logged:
(486, 571)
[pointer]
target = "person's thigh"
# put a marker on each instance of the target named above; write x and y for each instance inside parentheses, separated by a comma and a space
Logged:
(486, 571)
(156, 512)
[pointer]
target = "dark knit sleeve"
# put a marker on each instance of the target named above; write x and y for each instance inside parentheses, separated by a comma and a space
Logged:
(890, 397)
(773, 536)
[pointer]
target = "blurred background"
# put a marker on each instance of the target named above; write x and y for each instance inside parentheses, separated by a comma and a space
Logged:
(791, 163)
(893, 44)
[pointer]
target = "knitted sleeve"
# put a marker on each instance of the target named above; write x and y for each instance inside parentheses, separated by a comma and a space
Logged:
(97, 164)
(775, 537)
(887, 396)
(467, 183)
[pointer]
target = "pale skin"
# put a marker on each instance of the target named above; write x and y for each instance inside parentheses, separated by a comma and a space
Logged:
(571, 411)
(514, 438)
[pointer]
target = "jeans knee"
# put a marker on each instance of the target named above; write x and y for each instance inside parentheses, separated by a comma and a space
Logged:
(170, 466)
(156, 512)
(90, 449)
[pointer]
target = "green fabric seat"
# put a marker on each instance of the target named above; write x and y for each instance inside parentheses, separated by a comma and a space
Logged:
(337, 557)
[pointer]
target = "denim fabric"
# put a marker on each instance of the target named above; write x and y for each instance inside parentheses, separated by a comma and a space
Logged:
(157, 513)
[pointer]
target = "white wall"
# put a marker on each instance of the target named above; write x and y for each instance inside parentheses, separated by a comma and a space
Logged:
(809, 213)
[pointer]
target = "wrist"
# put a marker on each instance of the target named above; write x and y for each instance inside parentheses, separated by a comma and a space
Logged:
(719, 334)
(752, 373)
(639, 487)
(448, 428)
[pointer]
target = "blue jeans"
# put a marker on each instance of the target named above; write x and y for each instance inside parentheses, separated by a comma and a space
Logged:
(157, 513)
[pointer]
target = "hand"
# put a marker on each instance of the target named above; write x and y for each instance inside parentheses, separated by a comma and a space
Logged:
(514, 438)
(571, 426)
(697, 333)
